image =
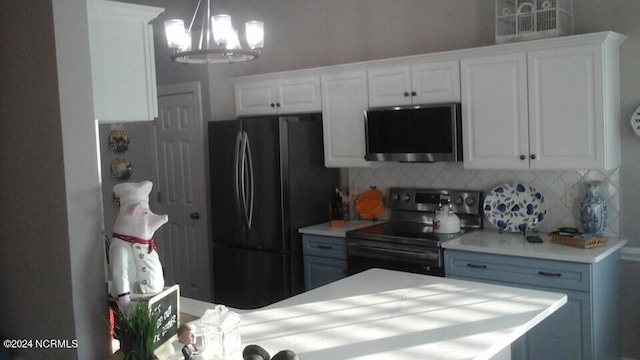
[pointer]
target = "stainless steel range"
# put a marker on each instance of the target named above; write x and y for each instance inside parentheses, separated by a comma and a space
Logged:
(408, 241)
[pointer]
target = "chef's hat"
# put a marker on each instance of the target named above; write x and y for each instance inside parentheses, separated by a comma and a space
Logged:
(133, 193)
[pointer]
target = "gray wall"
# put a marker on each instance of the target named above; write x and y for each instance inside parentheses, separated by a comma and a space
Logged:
(51, 254)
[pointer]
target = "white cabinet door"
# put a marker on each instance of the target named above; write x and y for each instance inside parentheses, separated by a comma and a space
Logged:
(437, 82)
(566, 109)
(299, 95)
(424, 83)
(494, 112)
(122, 61)
(282, 95)
(255, 98)
(344, 100)
(390, 86)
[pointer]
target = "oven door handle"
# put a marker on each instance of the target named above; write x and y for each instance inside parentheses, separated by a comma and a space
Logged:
(384, 253)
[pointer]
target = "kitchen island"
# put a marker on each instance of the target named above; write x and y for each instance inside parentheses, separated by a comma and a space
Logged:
(383, 314)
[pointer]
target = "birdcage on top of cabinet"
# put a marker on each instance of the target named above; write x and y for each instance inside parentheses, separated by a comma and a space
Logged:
(519, 20)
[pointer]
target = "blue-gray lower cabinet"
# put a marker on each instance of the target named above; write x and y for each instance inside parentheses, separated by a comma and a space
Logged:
(587, 327)
(325, 260)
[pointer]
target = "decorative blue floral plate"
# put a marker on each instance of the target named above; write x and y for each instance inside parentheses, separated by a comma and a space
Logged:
(515, 207)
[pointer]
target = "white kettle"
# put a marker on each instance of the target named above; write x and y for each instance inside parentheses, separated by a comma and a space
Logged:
(446, 221)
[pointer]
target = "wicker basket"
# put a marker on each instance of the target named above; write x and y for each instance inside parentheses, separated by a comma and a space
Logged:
(583, 242)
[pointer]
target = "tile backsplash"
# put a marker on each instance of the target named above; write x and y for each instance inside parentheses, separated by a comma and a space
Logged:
(563, 190)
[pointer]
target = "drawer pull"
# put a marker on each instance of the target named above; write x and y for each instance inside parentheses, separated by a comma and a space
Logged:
(477, 266)
(543, 273)
(325, 247)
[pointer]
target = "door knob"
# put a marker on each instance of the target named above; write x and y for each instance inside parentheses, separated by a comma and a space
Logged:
(195, 215)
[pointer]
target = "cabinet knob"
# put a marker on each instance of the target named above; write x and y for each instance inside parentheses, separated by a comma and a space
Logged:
(272, 105)
(533, 156)
(413, 93)
(522, 157)
(406, 94)
(277, 104)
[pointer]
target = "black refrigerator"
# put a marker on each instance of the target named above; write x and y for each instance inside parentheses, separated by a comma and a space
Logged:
(267, 180)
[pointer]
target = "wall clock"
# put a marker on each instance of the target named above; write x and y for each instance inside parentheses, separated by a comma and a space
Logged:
(635, 120)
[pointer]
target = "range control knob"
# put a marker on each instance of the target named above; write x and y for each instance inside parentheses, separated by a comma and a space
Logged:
(395, 197)
(470, 201)
(458, 200)
(406, 197)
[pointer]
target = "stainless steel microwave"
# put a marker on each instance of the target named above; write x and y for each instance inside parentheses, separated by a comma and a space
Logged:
(418, 133)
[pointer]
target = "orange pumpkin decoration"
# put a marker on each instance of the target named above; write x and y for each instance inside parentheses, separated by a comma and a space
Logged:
(369, 204)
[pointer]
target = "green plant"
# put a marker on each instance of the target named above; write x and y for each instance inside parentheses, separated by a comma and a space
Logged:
(136, 329)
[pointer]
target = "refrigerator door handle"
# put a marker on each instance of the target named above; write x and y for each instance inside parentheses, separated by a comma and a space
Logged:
(251, 196)
(237, 163)
(243, 178)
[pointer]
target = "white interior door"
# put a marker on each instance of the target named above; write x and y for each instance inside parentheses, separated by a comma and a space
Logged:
(179, 149)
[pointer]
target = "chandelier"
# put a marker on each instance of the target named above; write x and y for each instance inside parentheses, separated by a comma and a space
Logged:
(218, 42)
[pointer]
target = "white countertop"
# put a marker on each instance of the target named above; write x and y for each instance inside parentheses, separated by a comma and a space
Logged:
(383, 314)
(325, 229)
(492, 242)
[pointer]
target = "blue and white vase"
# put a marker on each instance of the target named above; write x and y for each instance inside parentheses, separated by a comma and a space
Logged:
(593, 210)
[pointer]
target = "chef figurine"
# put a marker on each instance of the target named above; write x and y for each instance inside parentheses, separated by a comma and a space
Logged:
(135, 265)
(187, 338)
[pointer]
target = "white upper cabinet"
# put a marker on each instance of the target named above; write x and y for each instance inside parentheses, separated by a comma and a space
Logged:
(255, 97)
(390, 86)
(344, 100)
(277, 95)
(423, 83)
(572, 115)
(122, 61)
(494, 112)
(555, 107)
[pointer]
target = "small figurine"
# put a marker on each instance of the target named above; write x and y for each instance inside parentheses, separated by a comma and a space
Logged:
(187, 338)
(134, 261)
